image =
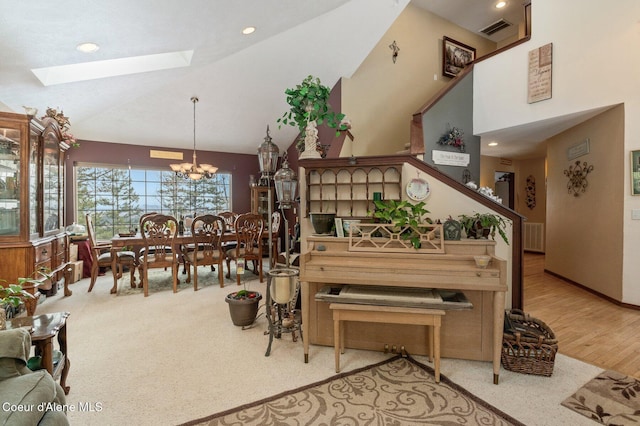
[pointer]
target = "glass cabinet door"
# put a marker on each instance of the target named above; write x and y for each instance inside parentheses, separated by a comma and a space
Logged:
(51, 183)
(34, 219)
(9, 181)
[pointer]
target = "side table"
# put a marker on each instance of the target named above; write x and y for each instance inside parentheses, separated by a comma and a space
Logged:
(44, 328)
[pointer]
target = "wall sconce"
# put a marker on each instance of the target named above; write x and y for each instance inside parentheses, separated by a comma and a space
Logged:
(577, 175)
(394, 47)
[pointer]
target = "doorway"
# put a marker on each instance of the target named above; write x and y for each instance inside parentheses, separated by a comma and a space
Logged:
(504, 187)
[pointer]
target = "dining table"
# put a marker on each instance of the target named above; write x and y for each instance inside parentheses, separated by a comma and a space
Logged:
(135, 242)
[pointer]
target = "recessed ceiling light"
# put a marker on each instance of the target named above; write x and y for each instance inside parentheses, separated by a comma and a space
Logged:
(248, 30)
(88, 47)
(493, 144)
(501, 4)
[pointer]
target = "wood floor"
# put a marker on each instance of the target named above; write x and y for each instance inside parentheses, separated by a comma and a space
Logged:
(587, 327)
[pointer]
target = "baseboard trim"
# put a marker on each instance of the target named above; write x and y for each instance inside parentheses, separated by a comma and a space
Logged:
(592, 291)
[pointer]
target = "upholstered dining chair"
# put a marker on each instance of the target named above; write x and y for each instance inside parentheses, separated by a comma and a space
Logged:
(102, 258)
(158, 232)
(206, 249)
(248, 228)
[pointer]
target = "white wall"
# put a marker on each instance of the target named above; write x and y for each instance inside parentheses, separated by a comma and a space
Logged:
(595, 64)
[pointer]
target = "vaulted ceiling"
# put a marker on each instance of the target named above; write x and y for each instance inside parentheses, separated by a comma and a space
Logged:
(235, 76)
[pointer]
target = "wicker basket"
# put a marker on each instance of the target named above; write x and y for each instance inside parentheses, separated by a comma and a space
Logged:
(531, 350)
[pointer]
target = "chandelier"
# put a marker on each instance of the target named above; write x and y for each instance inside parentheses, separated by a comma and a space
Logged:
(193, 170)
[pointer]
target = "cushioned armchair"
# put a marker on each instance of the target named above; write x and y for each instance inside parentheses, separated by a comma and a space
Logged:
(26, 397)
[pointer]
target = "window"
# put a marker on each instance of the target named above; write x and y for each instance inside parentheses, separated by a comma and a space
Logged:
(117, 196)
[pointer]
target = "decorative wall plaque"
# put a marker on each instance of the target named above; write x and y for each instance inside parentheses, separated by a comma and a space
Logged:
(539, 84)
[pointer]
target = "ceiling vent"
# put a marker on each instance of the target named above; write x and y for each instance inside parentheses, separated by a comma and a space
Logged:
(495, 27)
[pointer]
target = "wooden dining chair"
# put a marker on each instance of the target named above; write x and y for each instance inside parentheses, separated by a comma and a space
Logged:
(248, 229)
(159, 233)
(207, 231)
(229, 218)
(275, 232)
(103, 258)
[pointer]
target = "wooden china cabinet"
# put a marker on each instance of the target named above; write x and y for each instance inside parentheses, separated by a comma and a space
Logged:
(260, 201)
(32, 236)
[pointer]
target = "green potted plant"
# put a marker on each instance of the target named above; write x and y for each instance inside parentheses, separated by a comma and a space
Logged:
(243, 304)
(400, 214)
(11, 296)
(484, 225)
(309, 102)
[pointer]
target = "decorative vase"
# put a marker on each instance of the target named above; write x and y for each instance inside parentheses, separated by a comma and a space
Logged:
(452, 230)
(323, 222)
(243, 311)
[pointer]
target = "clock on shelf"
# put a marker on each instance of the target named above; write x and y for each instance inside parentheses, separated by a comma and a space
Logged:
(418, 189)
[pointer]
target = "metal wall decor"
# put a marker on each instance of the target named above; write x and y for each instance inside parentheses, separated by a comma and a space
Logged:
(466, 176)
(531, 191)
(577, 175)
(394, 47)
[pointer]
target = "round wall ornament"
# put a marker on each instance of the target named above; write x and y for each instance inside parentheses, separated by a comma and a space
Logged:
(418, 189)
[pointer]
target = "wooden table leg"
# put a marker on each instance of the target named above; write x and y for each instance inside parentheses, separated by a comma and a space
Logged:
(498, 329)
(67, 280)
(114, 269)
(62, 341)
(436, 346)
(304, 289)
(46, 352)
(337, 343)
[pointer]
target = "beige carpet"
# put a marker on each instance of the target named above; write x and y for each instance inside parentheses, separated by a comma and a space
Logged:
(171, 358)
(611, 398)
(399, 392)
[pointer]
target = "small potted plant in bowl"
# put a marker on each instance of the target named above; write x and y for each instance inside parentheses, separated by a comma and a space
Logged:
(483, 225)
(309, 102)
(243, 304)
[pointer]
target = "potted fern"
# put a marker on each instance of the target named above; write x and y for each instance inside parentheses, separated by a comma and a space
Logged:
(309, 108)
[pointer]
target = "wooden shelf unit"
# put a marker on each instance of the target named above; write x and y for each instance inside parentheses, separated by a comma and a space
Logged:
(348, 190)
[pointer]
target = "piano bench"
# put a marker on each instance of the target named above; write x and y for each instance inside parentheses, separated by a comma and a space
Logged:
(432, 318)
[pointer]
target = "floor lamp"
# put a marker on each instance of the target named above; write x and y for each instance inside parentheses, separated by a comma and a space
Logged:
(282, 285)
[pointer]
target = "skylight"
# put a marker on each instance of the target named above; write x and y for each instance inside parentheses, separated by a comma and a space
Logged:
(61, 74)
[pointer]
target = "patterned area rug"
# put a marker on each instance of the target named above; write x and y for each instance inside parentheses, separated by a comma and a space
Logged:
(611, 399)
(399, 391)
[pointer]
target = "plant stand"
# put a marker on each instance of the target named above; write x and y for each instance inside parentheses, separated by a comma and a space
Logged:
(282, 293)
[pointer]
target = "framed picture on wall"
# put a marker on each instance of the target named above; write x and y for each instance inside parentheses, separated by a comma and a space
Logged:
(455, 56)
(635, 172)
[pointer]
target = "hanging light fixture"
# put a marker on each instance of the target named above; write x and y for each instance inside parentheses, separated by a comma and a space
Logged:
(268, 157)
(193, 170)
(286, 183)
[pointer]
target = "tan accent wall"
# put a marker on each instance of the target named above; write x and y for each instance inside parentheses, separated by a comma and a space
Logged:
(381, 97)
(584, 234)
